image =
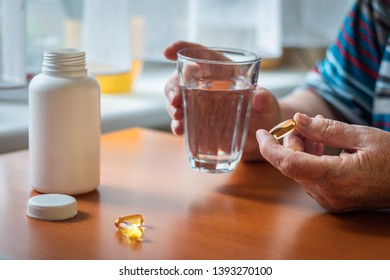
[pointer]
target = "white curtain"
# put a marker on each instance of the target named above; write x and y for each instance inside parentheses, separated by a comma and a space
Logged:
(264, 26)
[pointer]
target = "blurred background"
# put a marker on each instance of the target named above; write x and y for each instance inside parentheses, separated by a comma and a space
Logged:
(124, 41)
(264, 26)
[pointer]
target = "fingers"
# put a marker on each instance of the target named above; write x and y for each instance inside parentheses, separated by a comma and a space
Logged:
(177, 127)
(338, 183)
(171, 51)
(172, 91)
(176, 113)
(294, 164)
(174, 98)
(294, 141)
(329, 132)
(174, 102)
(297, 142)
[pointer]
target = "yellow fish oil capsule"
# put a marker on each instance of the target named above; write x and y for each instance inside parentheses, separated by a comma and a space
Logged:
(131, 226)
(283, 129)
(133, 219)
(132, 231)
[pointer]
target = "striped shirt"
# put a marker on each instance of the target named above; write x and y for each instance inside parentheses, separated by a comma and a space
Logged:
(354, 77)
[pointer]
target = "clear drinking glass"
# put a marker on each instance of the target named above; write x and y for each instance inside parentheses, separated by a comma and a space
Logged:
(217, 86)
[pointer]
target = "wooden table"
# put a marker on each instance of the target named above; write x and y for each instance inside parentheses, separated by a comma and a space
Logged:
(252, 213)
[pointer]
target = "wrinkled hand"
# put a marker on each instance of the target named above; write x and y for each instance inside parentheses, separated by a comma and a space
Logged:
(265, 108)
(358, 178)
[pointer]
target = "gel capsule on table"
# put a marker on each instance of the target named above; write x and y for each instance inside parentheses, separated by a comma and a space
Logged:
(133, 219)
(283, 129)
(131, 231)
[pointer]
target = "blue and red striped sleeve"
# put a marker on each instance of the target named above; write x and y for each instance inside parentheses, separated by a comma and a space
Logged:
(348, 76)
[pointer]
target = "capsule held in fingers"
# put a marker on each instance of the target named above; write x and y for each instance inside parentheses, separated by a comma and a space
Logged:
(282, 129)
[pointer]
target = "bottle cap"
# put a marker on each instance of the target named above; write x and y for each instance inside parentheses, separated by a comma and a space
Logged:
(59, 62)
(52, 207)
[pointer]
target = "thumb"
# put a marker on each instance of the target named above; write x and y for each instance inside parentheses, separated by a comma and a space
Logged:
(329, 132)
(265, 109)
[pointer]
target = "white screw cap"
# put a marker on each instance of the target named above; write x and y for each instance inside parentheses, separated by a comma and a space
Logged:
(52, 207)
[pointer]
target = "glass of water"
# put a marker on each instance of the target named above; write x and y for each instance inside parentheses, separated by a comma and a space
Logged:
(217, 86)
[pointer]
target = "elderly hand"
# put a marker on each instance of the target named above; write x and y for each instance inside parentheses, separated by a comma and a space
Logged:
(265, 108)
(358, 178)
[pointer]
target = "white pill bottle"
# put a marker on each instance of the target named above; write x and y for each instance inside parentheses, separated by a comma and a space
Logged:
(64, 125)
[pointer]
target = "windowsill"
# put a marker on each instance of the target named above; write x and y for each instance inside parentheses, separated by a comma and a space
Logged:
(144, 106)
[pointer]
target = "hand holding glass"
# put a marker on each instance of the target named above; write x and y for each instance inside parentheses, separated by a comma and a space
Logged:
(217, 87)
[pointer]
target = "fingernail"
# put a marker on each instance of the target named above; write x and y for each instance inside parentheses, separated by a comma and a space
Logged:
(302, 119)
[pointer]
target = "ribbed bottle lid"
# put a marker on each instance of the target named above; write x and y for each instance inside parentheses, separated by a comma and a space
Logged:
(52, 207)
(69, 62)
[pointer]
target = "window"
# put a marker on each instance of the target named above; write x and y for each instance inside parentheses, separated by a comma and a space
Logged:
(265, 26)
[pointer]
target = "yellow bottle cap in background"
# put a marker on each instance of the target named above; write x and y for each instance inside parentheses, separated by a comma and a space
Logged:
(119, 83)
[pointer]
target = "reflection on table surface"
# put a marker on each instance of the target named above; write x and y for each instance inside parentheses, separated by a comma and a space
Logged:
(252, 213)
